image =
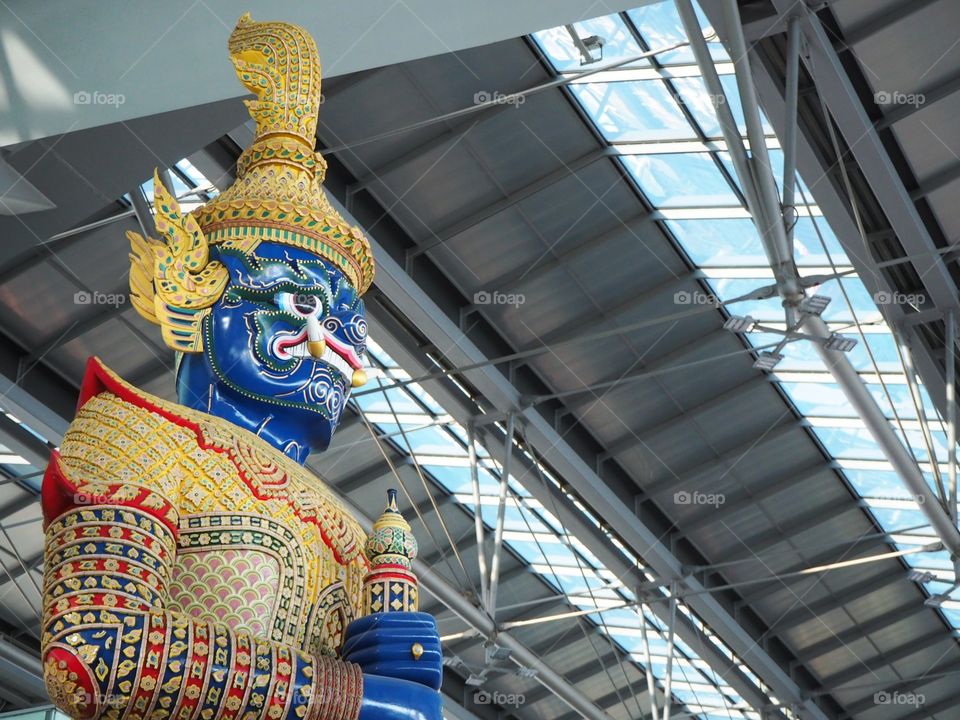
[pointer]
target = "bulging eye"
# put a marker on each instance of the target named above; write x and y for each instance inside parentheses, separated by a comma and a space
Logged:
(300, 304)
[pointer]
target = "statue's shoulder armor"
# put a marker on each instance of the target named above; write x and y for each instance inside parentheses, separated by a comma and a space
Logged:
(127, 447)
(118, 451)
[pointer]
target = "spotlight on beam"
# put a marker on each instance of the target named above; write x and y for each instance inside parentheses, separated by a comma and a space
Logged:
(590, 48)
(739, 324)
(594, 44)
(920, 576)
(814, 305)
(496, 653)
(840, 343)
(767, 360)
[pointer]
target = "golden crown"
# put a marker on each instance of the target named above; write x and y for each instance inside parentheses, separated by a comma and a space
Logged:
(277, 196)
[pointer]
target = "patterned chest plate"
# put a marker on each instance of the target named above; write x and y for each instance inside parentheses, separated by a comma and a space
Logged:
(261, 544)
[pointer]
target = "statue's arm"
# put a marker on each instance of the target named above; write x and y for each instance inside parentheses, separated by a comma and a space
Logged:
(112, 648)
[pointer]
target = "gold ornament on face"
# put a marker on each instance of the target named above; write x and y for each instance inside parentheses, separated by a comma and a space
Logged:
(276, 198)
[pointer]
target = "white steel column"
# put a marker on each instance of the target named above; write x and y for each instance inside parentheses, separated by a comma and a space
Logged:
(501, 518)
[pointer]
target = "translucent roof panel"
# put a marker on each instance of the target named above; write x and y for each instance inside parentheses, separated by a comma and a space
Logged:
(681, 180)
(633, 111)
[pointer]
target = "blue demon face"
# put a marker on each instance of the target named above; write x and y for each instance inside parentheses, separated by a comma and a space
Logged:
(284, 345)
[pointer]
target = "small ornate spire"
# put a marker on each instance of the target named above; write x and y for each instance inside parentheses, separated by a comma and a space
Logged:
(391, 548)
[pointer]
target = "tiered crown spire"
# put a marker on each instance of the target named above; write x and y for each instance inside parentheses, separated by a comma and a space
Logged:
(277, 196)
(391, 548)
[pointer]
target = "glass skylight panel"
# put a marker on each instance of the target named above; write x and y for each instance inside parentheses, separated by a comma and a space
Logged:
(457, 481)
(703, 105)
(877, 484)
(433, 441)
(633, 111)
(807, 245)
(733, 242)
(681, 180)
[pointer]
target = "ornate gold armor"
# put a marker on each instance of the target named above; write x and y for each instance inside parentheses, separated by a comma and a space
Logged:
(177, 537)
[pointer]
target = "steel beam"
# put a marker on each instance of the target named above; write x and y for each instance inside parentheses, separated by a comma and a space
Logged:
(504, 490)
(878, 23)
(752, 496)
(724, 458)
(817, 608)
(827, 71)
(889, 441)
(566, 170)
(450, 135)
(861, 667)
(869, 151)
(950, 380)
(574, 327)
(842, 639)
(764, 540)
(513, 278)
(630, 440)
(790, 139)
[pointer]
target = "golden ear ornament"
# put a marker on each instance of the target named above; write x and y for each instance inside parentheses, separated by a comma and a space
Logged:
(173, 283)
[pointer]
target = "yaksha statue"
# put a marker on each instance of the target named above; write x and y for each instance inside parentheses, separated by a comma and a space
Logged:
(194, 569)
